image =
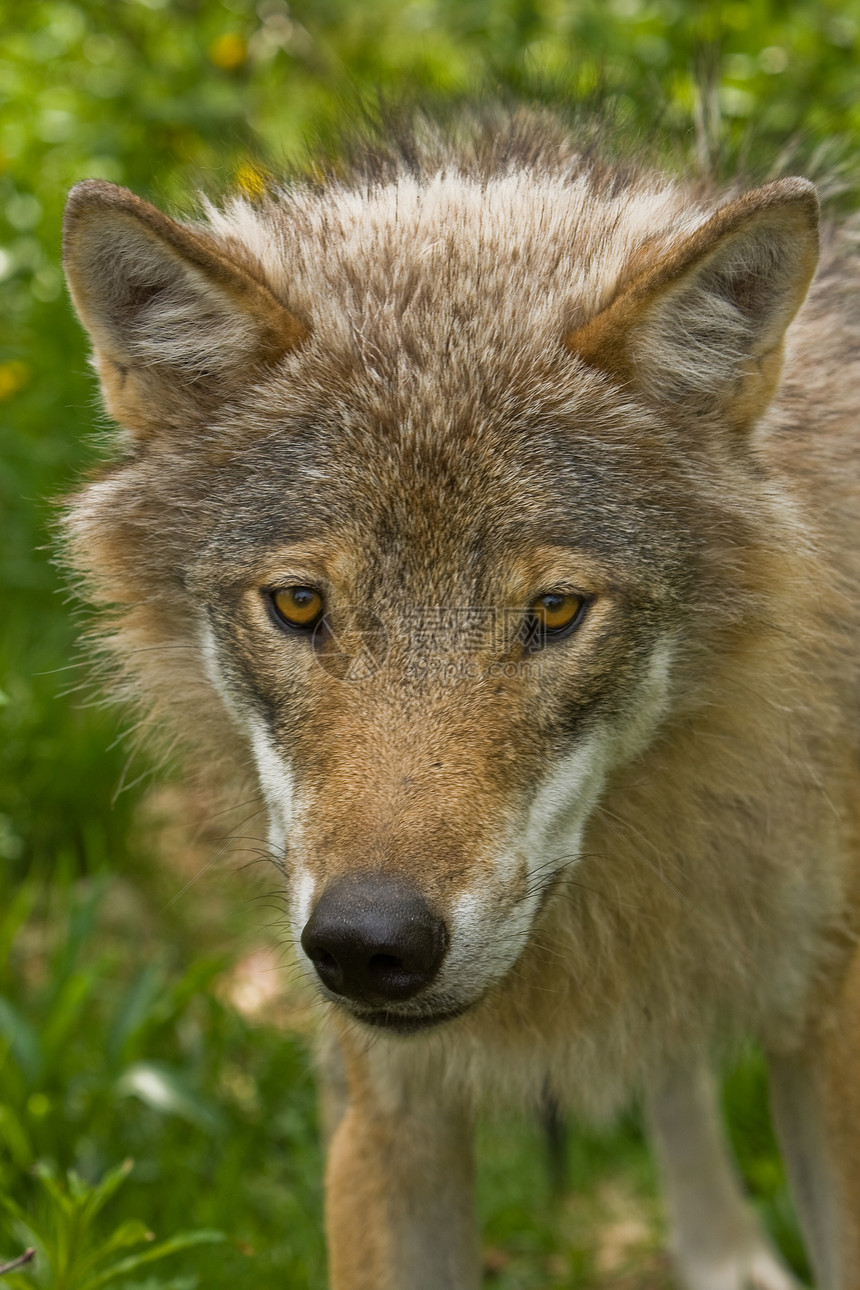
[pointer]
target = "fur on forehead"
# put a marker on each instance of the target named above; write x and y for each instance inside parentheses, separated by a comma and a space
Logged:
(438, 308)
(397, 272)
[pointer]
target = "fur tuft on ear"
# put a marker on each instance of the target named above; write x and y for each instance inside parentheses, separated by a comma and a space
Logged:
(177, 326)
(701, 323)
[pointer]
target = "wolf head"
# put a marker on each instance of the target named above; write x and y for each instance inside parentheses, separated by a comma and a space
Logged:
(437, 491)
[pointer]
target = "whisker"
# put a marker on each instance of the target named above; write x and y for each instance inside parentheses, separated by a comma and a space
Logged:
(654, 868)
(208, 865)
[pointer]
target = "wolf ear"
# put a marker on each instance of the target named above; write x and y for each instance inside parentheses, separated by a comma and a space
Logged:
(177, 326)
(700, 325)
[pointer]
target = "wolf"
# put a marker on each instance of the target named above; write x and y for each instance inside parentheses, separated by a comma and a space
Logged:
(492, 502)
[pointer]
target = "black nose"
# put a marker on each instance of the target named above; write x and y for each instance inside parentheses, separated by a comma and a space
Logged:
(374, 939)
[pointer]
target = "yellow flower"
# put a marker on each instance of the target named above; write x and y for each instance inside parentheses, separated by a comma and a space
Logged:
(228, 51)
(14, 375)
(252, 179)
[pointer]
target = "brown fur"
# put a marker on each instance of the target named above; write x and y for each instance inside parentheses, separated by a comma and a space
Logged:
(461, 383)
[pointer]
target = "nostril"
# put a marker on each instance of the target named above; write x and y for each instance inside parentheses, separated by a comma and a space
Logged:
(386, 963)
(327, 966)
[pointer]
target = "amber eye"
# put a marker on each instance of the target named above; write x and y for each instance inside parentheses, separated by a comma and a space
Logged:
(298, 606)
(556, 611)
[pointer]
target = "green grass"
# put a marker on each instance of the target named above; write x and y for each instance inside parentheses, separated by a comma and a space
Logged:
(118, 1037)
(108, 1053)
(67, 1253)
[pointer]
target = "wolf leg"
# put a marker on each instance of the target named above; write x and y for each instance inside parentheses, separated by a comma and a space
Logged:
(717, 1242)
(399, 1205)
(816, 1100)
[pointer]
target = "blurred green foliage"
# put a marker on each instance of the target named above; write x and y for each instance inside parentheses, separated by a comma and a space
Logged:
(116, 1044)
(109, 1048)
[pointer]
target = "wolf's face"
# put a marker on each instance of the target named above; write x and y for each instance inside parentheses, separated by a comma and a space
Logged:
(427, 533)
(437, 649)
